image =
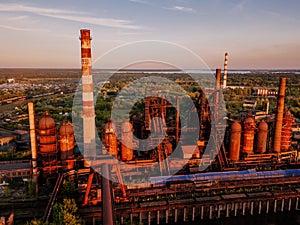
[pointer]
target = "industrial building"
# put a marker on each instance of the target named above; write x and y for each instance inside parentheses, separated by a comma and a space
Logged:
(253, 150)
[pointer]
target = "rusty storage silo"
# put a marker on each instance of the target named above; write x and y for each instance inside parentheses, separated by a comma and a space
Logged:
(66, 141)
(110, 136)
(127, 141)
(235, 141)
(249, 130)
(46, 130)
(286, 132)
(262, 135)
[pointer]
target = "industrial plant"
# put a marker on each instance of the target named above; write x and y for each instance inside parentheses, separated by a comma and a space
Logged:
(252, 166)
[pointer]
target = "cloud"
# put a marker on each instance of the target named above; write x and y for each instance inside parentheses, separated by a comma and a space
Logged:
(140, 1)
(69, 15)
(106, 22)
(181, 8)
(14, 28)
(240, 5)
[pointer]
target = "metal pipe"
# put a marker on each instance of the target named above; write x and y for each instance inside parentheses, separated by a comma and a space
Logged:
(279, 115)
(225, 71)
(87, 95)
(106, 196)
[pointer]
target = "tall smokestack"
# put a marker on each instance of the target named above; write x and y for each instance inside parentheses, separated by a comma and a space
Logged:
(225, 70)
(218, 79)
(87, 95)
(279, 115)
(33, 143)
(217, 95)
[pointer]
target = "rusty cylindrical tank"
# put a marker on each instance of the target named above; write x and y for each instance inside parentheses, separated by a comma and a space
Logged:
(279, 115)
(249, 130)
(48, 142)
(235, 141)
(262, 135)
(127, 141)
(286, 133)
(110, 135)
(66, 141)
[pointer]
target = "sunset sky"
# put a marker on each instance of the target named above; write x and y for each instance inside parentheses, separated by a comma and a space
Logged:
(258, 34)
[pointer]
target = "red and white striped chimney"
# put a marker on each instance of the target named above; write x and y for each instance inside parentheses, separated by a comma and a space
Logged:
(225, 71)
(89, 133)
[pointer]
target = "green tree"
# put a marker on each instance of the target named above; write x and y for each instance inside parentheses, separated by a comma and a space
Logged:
(65, 213)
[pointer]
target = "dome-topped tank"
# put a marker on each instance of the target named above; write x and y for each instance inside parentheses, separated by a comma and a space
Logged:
(46, 122)
(262, 135)
(235, 141)
(249, 130)
(110, 136)
(47, 137)
(66, 140)
(66, 129)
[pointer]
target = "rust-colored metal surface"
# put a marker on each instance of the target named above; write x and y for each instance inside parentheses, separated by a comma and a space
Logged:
(262, 135)
(249, 131)
(66, 141)
(110, 136)
(235, 141)
(47, 136)
(286, 133)
(279, 115)
(127, 141)
(46, 125)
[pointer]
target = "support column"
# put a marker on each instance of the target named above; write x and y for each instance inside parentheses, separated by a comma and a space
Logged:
(175, 216)
(157, 217)
(141, 218)
(282, 205)
(202, 212)
(149, 218)
(193, 214)
(235, 209)
(297, 202)
(210, 212)
(227, 210)
(251, 208)
(244, 208)
(275, 206)
(290, 204)
(268, 206)
(259, 208)
(167, 216)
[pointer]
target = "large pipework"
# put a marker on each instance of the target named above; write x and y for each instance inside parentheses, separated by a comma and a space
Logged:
(279, 115)
(33, 143)
(225, 70)
(89, 133)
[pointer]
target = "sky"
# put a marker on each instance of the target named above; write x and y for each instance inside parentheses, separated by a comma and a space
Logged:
(257, 34)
